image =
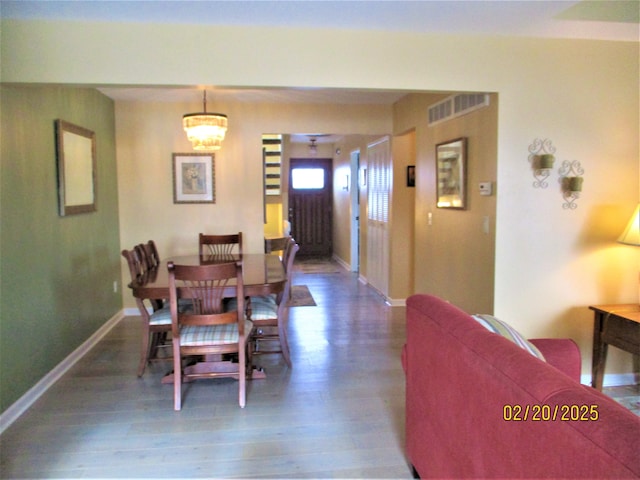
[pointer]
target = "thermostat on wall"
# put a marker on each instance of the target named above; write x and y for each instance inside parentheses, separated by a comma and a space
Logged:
(486, 188)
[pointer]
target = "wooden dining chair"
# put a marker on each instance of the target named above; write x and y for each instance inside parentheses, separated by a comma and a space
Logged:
(269, 313)
(207, 328)
(148, 253)
(156, 317)
(277, 244)
(220, 244)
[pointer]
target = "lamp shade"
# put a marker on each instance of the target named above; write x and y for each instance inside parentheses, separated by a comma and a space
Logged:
(631, 234)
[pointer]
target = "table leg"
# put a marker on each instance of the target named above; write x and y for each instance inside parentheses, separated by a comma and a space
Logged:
(599, 351)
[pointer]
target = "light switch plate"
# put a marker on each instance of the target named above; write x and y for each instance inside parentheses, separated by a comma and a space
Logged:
(486, 188)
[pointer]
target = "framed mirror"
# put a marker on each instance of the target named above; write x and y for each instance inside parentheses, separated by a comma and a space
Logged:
(451, 158)
(76, 154)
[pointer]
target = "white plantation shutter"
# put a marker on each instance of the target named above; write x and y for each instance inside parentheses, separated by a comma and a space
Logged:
(379, 184)
(378, 205)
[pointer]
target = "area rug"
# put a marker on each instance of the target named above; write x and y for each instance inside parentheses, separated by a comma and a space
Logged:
(301, 297)
(314, 265)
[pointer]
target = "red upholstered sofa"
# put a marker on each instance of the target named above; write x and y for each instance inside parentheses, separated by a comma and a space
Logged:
(479, 406)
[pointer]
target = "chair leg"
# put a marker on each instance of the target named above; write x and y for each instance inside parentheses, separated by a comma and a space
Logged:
(242, 373)
(144, 353)
(249, 353)
(177, 376)
(146, 337)
(284, 343)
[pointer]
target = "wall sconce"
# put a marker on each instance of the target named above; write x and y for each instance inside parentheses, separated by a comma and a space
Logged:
(571, 183)
(541, 158)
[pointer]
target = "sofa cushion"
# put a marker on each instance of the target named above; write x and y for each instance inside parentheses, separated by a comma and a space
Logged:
(500, 327)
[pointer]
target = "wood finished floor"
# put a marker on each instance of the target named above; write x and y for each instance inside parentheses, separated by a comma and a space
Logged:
(338, 413)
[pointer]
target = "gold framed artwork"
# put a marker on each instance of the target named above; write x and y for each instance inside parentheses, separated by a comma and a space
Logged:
(193, 178)
(451, 166)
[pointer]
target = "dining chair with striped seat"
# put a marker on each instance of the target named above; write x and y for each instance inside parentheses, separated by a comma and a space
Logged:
(156, 316)
(208, 328)
(269, 313)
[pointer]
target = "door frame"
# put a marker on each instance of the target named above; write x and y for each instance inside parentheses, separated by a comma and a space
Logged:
(355, 210)
(326, 163)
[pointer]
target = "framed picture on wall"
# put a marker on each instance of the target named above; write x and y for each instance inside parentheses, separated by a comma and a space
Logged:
(193, 178)
(451, 165)
(411, 176)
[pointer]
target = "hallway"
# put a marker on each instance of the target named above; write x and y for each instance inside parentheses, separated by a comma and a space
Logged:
(339, 412)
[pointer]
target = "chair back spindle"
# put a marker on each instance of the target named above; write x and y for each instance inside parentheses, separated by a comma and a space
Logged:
(220, 244)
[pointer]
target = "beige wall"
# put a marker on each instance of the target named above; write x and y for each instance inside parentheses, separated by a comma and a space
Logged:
(148, 133)
(342, 206)
(551, 263)
(342, 218)
(402, 266)
(454, 254)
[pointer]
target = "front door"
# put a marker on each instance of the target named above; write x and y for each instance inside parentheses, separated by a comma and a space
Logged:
(310, 205)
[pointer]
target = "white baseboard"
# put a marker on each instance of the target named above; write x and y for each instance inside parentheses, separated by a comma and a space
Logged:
(613, 379)
(341, 262)
(12, 413)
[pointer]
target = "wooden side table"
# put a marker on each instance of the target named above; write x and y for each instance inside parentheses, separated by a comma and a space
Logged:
(617, 325)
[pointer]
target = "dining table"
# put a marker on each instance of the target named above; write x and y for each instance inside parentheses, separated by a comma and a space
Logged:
(262, 274)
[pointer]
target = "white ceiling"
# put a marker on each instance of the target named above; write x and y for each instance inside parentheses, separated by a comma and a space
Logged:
(249, 95)
(598, 19)
(595, 19)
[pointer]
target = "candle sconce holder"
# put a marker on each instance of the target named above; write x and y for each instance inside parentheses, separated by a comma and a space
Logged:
(541, 158)
(571, 179)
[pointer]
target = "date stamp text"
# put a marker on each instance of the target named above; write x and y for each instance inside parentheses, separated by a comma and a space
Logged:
(550, 413)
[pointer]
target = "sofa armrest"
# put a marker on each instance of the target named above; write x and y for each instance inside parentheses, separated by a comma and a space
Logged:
(561, 353)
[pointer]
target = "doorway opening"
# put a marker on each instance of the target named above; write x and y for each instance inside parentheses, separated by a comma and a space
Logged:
(311, 205)
(355, 210)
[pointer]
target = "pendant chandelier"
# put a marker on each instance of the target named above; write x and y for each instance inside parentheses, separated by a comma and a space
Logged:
(205, 131)
(313, 148)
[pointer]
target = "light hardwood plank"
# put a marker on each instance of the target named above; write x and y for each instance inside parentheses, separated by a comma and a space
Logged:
(338, 413)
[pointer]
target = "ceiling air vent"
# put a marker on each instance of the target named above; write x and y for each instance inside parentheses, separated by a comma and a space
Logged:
(440, 111)
(457, 105)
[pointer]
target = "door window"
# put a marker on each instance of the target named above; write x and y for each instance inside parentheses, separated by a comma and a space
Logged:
(307, 178)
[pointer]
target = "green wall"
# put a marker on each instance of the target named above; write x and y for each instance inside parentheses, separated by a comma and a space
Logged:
(56, 273)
